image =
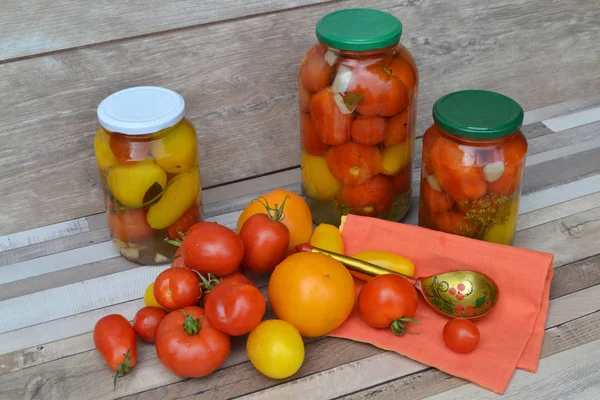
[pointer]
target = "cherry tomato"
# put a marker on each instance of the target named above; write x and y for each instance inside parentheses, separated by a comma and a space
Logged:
(372, 198)
(188, 345)
(353, 163)
(369, 130)
(115, 340)
(332, 125)
(266, 239)
(212, 248)
(178, 260)
(388, 300)
(461, 335)
(128, 150)
(235, 308)
(175, 288)
(315, 72)
(184, 223)
(146, 322)
(129, 226)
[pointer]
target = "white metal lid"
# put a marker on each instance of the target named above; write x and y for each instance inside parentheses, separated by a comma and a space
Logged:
(141, 110)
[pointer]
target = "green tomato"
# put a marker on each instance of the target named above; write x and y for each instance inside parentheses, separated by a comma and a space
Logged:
(129, 183)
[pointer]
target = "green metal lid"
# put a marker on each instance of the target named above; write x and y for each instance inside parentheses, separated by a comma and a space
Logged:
(359, 29)
(478, 114)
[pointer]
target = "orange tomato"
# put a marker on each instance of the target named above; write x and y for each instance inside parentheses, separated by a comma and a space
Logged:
(129, 226)
(514, 150)
(333, 126)
(353, 163)
(403, 71)
(309, 138)
(368, 130)
(127, 149)
(402, 181)
(313, 292)
(455, 223)
(507, 183)
(397, 131)
(297, 216)
(315, 72)
(372, 198)
(383, 94)
(437, 202)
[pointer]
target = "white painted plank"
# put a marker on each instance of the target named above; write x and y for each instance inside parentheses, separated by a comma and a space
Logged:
(569, 121)
(559, 194)
(76, 298)
(563, 151)
(38, 235)
(357, 375)
(571, 374)
(65, 327)
(554, 110)
(58, 261)
(558, 211)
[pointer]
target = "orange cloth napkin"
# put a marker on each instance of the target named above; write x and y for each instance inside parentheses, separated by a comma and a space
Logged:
(511, 335)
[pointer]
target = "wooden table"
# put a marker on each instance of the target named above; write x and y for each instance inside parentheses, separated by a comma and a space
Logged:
(58, 280)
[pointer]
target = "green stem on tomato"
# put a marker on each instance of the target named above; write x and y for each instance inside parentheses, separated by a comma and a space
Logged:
(123, 368)
(208, 284)
(191, 325)
(399, 326)
(274, 213)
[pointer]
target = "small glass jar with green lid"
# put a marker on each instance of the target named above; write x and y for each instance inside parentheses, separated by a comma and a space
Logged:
(358, 90)
(473, 162)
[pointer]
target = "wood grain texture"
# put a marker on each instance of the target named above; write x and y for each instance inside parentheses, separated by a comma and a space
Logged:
(245, 89)
(65, 24)
(432, 381)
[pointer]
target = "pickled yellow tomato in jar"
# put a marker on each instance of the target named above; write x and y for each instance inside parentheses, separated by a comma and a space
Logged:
(358, 91)
(473, 162)
(146, 152)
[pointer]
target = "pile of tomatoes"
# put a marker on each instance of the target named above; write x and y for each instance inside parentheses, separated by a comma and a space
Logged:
(357, 127)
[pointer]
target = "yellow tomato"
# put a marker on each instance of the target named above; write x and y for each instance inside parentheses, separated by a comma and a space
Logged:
(149, 298)
(104, 155)
(317, 180)
(396, 157)
(327, 237)
(386, 260)
(505, 233)
(276, 349)
(175, 201)
(298, 218)
(129, 183)
(176, 151)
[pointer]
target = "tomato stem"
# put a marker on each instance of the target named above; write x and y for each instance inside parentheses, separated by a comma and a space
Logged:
(208, 284)
(274, 213)
(399, 326)
(191, 325)
(173, 242)
(123, 368)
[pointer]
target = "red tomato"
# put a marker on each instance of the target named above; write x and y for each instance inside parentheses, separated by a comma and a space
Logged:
(315, 72)
(128, 150)
(402, 181)
(353, 163)
(236, 277)
(212, 248)
(184, 223)
(455, 223)
(235, 308)
(514, 150)
(507, 183)
(404, 70)
(437, 202)
(388, 300)
(333, 126)
(304, 97)
(372, 198)
(129, 226)
(397, 131)
(369, 130)
(178, 260)
(461, 335)
(309, 139)
(188, 345)
(266, 239)
(115, 340)
(383, 93)
(175, 288)
(146, 322)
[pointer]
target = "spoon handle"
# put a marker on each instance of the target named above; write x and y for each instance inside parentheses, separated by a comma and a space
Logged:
(352, 264)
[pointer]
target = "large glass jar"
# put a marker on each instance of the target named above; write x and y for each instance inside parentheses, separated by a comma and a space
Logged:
(473, 161)
(146, 152)
(358, 95)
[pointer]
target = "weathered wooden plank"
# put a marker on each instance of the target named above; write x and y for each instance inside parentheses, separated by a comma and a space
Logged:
(42, 234)
(433, 381)
(557, 211)
(246, 91)
(572, 120)
(559, 194)
(556, 110)
(66, 24)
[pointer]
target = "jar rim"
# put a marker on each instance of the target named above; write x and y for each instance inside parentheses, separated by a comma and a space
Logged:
(141, 110)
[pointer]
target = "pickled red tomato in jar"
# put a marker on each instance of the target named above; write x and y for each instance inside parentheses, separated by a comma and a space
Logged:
(358, 91)
(146, 153)
(473, 162)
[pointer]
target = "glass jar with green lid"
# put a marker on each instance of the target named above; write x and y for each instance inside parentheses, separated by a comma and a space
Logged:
(358, 91)
(473, 161)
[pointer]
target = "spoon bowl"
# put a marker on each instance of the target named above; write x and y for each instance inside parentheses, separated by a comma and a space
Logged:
(456, 294)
